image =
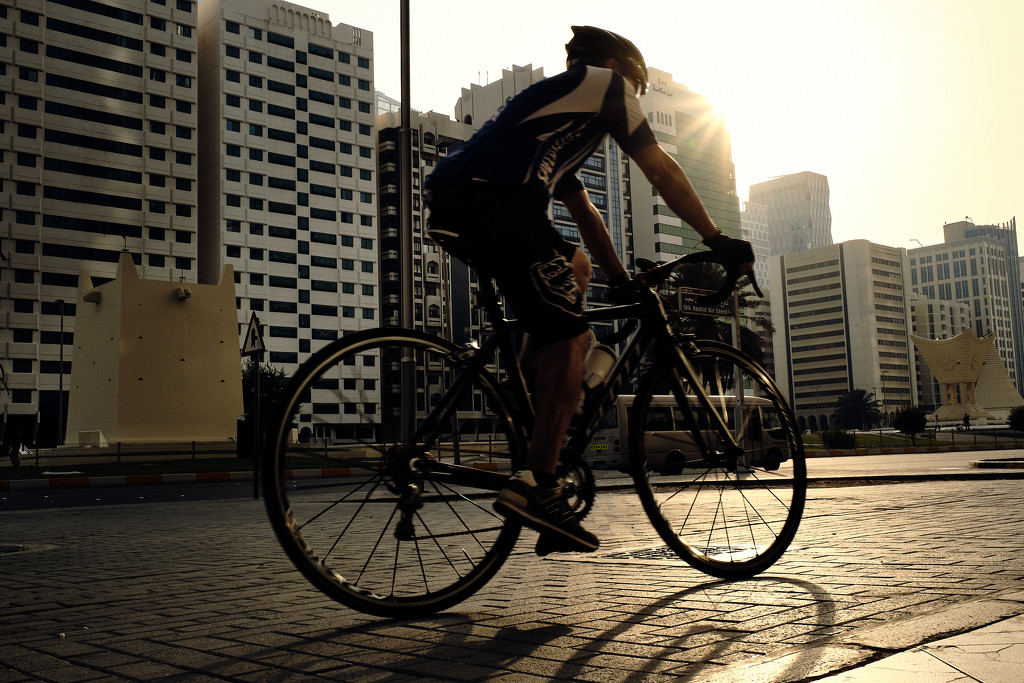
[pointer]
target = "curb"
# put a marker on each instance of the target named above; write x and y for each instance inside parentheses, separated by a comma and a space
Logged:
(73, 482)
(890, 450)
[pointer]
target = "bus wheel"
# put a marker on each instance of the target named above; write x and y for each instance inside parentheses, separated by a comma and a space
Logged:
(772, 459)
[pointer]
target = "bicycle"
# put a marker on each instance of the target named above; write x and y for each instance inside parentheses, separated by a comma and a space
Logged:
(414, 533)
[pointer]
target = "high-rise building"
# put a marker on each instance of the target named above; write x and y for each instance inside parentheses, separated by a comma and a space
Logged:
(976, 265)
(433, 135)
(98, 121)
(799, 217)
(478, 103)
(754, 229)
(1005, 234)
(843, 324)
(288, 181)
(688, 129)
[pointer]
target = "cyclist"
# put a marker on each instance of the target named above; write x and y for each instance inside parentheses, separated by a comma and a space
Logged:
(492, 194)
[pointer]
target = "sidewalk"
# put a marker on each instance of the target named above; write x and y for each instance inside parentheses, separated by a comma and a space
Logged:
(906, 651)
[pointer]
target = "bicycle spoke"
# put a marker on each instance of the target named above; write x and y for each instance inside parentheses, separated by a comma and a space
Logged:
(727, 512)
(416, 535)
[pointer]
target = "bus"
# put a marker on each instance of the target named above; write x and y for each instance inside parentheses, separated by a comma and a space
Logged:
(669, 444)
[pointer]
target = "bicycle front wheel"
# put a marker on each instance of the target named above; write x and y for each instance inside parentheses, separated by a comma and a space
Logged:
(393, 524)
(729, 513)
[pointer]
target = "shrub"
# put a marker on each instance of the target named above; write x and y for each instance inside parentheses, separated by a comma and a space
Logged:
(837, 438)
(1016, 419)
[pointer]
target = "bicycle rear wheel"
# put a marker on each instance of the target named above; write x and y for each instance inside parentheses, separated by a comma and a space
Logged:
(397, 528)
(728, 514)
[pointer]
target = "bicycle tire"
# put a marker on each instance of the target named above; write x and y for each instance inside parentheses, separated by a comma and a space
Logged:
(730, 517)
(392, 538)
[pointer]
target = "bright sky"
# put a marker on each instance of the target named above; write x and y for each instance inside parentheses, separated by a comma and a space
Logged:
(911, 108)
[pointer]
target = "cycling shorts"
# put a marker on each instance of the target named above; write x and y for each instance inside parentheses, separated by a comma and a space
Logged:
(504, 233)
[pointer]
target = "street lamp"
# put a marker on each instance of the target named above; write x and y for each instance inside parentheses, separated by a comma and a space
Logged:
(885, 417)
(60, 386)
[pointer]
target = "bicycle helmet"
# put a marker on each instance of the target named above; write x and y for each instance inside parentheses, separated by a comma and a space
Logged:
(594, 46)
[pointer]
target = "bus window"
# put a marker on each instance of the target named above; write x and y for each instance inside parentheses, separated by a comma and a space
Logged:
(610, 420)
(659, 419)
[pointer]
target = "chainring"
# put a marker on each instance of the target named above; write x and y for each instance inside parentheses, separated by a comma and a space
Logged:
(578, 486)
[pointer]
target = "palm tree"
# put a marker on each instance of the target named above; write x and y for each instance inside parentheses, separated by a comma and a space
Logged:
(710, 276)
(857, 409)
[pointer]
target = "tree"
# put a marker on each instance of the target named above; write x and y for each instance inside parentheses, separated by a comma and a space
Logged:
(272, 383)
(857, 409)
(910, 420)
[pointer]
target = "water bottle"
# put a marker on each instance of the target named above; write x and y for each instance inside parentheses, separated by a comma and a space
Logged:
(598, 362)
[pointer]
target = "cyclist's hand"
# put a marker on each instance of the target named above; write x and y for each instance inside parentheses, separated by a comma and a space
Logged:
(733, 253)
(624, 290)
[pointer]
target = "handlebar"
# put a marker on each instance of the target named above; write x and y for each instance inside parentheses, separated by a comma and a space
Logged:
(655, 274)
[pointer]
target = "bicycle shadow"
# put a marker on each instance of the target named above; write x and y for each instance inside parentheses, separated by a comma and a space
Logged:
(464, 647)
(558, 651)
(825, 607)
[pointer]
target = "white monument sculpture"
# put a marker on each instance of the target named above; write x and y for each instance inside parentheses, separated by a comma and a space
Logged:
(972, 378)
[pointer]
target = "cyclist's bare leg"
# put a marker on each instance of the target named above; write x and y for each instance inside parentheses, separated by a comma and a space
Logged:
(559, 368)
(559, 376)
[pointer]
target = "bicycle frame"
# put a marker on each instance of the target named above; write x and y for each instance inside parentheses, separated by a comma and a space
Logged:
(653, 331)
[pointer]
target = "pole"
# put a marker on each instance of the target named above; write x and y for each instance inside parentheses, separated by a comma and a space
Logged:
(256, 427)
(60, 386)
(738, 412)
(408, 368)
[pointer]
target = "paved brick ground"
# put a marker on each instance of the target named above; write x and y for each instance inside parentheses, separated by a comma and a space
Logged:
(200, 591)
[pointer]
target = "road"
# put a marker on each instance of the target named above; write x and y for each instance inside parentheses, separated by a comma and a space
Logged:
(199, 590)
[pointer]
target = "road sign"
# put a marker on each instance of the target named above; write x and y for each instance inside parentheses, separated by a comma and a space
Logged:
(253, 345)
(690, 304)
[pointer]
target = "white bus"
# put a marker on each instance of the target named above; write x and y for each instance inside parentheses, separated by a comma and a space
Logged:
(668, 443)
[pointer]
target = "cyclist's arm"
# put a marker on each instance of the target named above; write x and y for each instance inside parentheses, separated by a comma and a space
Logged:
(594, 233)
(672, 184)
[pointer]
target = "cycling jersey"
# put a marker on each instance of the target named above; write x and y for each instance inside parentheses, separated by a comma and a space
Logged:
(543, 135)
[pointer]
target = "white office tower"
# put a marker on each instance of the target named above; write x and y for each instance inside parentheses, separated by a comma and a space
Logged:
(844, 322)
(288, 180)
(977, 265)
(799, 216)
(688, 129)
(98, 142)
(754, 229)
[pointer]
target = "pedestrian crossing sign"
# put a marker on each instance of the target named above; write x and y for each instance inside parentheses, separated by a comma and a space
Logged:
(253, 344)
